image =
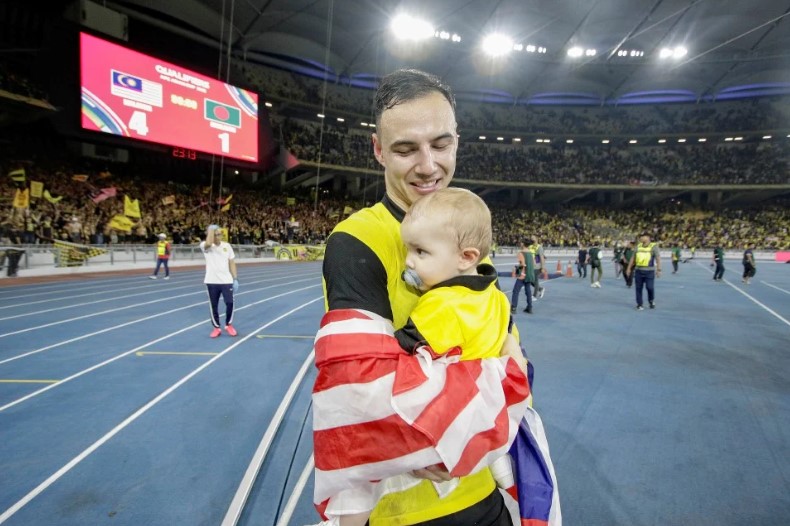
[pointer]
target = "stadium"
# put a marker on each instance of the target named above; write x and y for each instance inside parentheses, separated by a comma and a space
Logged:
(127, 128)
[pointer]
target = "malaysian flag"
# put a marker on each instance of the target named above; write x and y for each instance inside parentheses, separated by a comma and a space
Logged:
(379, 412)
(136, 89)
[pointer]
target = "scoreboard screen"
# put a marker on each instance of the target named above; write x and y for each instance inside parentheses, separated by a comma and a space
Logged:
(130, 94)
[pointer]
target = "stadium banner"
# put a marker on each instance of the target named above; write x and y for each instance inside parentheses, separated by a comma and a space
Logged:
(300, 252)
(36, 189)
(74, 255)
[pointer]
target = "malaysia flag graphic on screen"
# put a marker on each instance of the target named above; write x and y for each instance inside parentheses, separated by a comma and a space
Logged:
(136, 89)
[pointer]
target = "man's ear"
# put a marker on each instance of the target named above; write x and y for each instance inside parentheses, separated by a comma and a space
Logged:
(377, 150)
(468, 259)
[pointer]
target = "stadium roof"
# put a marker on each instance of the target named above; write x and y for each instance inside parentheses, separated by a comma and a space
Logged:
(736, 48)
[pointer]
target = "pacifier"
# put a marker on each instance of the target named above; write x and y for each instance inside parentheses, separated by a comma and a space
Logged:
(412, 279)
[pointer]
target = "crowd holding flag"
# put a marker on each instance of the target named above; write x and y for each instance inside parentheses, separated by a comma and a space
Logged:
(104, 193)
(131, 207)
(68, 254)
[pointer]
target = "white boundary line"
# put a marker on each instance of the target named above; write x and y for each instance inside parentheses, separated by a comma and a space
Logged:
(233, 514)
(775, 287)
(290, 506)
(7, 514)
(136, 349)
(138, 320)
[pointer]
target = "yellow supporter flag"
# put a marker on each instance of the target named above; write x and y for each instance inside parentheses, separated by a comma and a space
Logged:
(79, 177)
(22, 198)
(36, 189)
(347, 211)
(53, 200)
(74, 255)
(289, 201)
(225, 208)
(121, 222)
(18, 176)
(131, 207)
(169, 200)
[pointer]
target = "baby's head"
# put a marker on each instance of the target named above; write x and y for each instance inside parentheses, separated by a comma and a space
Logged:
(446, 234)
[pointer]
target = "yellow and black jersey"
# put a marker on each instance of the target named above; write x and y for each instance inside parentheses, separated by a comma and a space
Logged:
(469, 312)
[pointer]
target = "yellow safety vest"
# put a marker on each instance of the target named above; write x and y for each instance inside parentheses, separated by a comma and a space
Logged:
(644, 255)
(161, 248)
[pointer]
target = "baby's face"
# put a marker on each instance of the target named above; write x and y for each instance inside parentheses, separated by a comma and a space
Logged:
(430, 251)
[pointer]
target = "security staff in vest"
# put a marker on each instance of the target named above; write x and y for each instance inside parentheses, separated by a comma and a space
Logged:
(162, 256)
(646, 265)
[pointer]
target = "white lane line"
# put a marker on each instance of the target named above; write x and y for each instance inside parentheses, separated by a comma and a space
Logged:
(138, 320)
(135, 350)
(147, 293)
(137, 414)
(296, 494)
(126, 307)
(107, 284)
(775, 287)
(233, 514)
(755, 300)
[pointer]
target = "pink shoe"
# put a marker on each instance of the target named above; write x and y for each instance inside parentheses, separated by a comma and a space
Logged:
(230, 330)
(216, 332)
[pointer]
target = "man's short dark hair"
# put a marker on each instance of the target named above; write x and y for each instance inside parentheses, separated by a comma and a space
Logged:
(405, 85)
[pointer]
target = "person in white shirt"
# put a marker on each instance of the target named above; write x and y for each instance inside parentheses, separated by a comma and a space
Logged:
(221, 278)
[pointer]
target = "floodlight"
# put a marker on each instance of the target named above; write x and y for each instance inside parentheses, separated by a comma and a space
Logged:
(538, 140)
(371, 125)
(662, 141)
(680, 52)
(321, 115)
(575, 52)
(455, 38)
(702, 139)
(766, 137)
(590, 52)
(681, 140)
(482, 137)
(518, 47)
(530, 48)
(632, 141)
(546, 140)
(727, 139)
(518, 139)
(605, 141)
(665, 53)
(622, 52)
(497, 44)
(739, 138)
(541, 49)
(677, 52)
(267, 104)
(569, 141)
(406, 27)
(341, 119)
(500, 138)
(444, 35)
(363, 123)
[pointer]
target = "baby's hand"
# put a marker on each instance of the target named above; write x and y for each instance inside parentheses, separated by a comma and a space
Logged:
(511, 348)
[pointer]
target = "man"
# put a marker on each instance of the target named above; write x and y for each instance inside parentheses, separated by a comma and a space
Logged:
(416, 142)
(749, 266)
(675, 258)
(221, 278)
(162, 256)
(628, 253)
(718, 261)
(581, 261)
(646, 265)
(525, 276)
(617, 256)
(540, 259)
(594, 259)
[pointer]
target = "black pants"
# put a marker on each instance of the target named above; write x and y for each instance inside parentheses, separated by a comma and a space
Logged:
(490, 511)
(646, 277)
(749, 270)
(214, 292)
(517, 286)
(675, 265)
(629, 278)
(719, 273)
(13, 257)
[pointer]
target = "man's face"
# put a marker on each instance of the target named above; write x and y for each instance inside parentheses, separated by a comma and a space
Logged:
(416, 144)
(217, 237)
(430, 252)
(645, 240)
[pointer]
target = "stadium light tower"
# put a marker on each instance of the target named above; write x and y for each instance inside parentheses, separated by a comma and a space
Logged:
(406, 27)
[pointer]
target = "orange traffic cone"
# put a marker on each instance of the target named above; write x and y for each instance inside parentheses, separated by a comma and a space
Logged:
(544, 275)
(559, 266)
(569, 270)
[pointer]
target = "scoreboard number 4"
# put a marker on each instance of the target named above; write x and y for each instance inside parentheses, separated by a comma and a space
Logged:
(139, 123)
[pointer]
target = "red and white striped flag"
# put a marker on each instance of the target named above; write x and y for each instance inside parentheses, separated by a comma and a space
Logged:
(379, 412)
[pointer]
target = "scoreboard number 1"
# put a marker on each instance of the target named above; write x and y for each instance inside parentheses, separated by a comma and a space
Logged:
(139, 123)
(224, 139)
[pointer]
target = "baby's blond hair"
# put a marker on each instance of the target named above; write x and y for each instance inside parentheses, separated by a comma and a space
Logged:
(461, 213)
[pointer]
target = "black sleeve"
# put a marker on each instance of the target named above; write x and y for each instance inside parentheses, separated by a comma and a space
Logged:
(355, 277)
(409, 337)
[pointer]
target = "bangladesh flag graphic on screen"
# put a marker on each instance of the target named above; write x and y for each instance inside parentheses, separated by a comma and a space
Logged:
(218, 112)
